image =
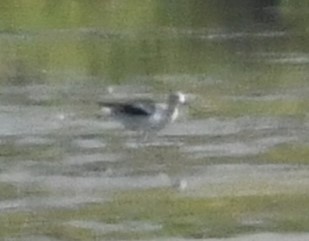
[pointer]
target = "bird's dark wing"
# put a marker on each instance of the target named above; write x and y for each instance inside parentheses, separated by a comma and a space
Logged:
(133, 108)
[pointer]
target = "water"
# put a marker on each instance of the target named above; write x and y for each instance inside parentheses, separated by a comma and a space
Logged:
(62, 157)
(234, 164)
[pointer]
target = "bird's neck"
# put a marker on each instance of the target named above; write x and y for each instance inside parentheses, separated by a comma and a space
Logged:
(172, 112)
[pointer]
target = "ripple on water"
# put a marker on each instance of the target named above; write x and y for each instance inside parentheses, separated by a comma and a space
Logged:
(57, 201)
(28, 120)
(250, 237)
(33, 140)
(32, 238)
(237, 148)
(263, 237)
(89, 186)
(89, 143)
(81, 159)
(247, 179)
(100, 227)
(152, 142)
(223, 126)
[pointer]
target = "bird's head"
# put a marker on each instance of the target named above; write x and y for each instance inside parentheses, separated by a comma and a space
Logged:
(177, 98)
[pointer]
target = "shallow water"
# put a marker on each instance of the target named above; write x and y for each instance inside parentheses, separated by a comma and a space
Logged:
(68, 172)
(63, 156)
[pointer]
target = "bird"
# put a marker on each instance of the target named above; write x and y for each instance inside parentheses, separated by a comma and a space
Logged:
(145, 115)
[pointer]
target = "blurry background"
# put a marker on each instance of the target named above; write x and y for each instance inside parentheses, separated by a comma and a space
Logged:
(240, 148)
(119, 41)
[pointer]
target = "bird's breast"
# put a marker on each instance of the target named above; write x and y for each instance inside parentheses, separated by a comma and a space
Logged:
(174, 115)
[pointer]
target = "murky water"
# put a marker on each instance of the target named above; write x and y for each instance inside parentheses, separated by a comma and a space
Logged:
(63, 156)
(68, 172)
